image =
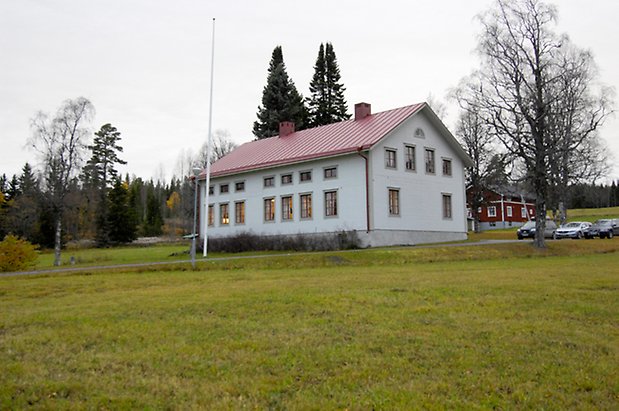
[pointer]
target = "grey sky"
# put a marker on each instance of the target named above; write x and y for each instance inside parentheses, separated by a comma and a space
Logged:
(145, 64)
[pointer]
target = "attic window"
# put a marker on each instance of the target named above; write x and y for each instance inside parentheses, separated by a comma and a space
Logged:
(419, 133)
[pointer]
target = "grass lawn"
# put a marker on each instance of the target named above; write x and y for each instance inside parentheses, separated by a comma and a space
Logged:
(116, 255)
(481, 327)
(592, 214)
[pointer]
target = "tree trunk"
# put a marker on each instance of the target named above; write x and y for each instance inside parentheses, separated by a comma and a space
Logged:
(540, 222)
(562, 213)
(58, 240)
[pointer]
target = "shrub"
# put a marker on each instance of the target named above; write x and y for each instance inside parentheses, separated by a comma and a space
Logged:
(16, 254)
(246, 241)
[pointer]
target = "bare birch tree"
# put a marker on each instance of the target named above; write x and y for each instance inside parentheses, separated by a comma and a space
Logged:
(61, 142)
(518, 89)
(489, 165)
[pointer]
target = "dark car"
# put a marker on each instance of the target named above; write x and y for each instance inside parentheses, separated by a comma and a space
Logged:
(528, 230)
(606, 228)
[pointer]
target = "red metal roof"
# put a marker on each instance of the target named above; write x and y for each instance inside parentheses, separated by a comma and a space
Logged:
(333, 139)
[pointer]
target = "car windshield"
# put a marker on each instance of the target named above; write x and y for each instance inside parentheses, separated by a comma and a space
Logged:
(529, 224)
(572, 225)
(602, 223)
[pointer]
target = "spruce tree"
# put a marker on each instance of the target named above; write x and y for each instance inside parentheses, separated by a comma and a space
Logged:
(280, 100)
(327, 103)
(102, 173)
(122, 217)
(153, 219)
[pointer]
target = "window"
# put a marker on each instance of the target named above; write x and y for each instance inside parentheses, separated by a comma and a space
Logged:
(239, 186)
(331, 203)
(394, 201)
(287, 208)
(305, 176)
(509, 211)
(306, 206)
(419, 133)
(239, 212)
(409, 158)
(224, 214)
(446, 205)
(269, 181)
(330, 172)
(523, 212)
(223, 188)
(211, 215)
(211, 190)
(430, 161)
(446, 167)
(390, 158)
(269, 209)
(492, 211)
(286, 179)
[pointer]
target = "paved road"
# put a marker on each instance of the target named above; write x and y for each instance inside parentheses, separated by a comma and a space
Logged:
(61, 270)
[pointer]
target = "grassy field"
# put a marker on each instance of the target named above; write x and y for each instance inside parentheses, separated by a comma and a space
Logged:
(592, 214)
(481, 327)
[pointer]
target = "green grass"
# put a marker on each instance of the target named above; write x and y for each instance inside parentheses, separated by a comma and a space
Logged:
(116, 255)
(481, 327)
(592, 214)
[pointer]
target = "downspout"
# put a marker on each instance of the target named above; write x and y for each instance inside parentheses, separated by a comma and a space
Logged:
(502, 211)
(367, 188)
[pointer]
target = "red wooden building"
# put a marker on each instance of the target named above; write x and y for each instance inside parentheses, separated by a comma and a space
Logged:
(502, 208)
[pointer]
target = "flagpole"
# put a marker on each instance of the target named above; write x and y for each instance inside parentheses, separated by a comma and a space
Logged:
(209, 148)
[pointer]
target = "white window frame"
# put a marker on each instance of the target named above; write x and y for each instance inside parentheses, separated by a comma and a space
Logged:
(270, 178)
(410, 159)
(286, 175)
(491, 211)
(428, 150)
(450, 166)
(447, 206)
(394, 209)
(326, 205)
(391, 154)
(264, 209)
(287, 211)
(326, 169)
(301, 173)
(309, 216)
(224, 218)
(236, 213)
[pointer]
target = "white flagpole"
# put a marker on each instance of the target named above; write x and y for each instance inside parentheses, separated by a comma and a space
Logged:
(209, 148)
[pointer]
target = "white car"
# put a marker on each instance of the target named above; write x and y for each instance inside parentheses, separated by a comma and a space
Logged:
(574, 230)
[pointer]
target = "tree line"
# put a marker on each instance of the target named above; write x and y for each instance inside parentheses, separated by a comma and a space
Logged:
(78, 193)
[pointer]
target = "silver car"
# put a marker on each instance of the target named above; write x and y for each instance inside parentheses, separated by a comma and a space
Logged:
(575, 230)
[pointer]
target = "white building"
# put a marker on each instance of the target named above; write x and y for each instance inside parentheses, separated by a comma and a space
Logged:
(395, 177)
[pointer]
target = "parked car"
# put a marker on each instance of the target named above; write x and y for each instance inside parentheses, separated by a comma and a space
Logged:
(528, 230)
(574, 230)
(606, 228)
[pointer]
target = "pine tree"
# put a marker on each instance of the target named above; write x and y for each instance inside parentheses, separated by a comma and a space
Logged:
(102, 173)
(327, 103)
(280, 100)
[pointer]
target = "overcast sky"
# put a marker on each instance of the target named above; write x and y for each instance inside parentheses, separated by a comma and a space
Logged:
(145, 64)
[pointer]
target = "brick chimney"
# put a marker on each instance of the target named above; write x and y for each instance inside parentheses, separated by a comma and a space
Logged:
(362, 110)
(286, 128)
